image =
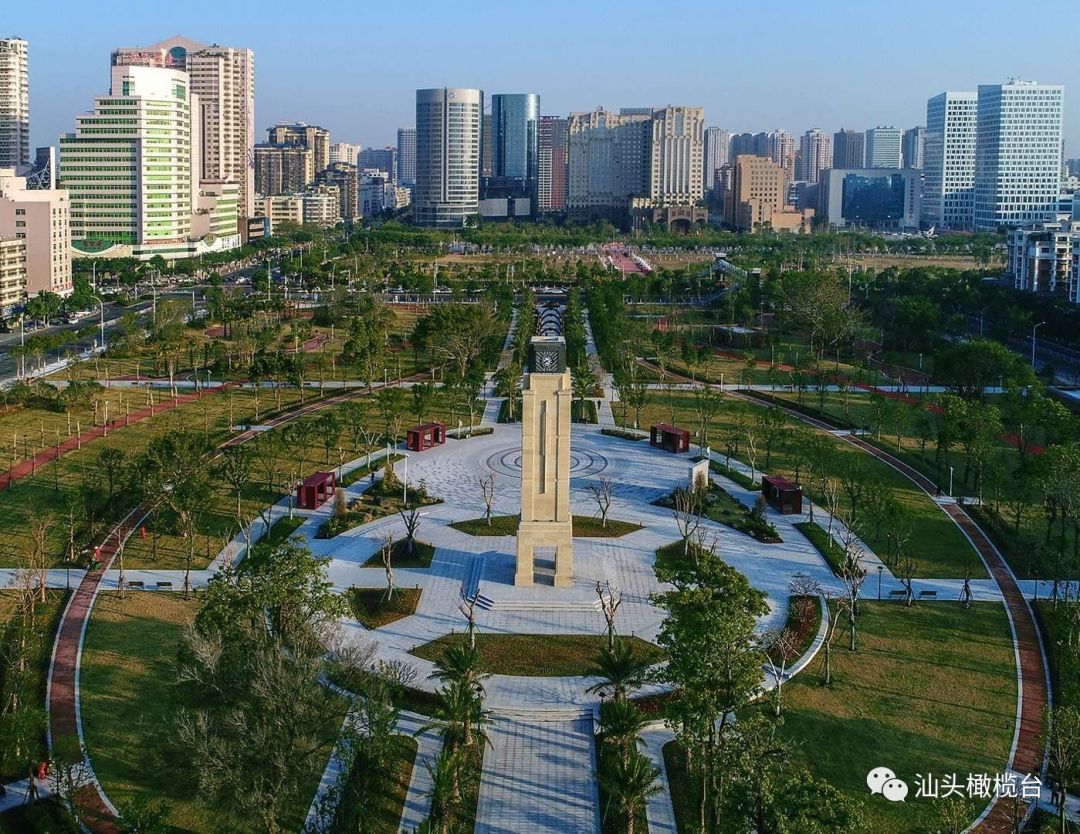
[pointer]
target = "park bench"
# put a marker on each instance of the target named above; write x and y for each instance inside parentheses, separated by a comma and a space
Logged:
(164, 586)
(927, 594)
(897, 594)
(136, 583)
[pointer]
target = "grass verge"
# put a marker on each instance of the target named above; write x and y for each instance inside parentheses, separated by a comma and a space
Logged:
(371, 608)
(536, 655)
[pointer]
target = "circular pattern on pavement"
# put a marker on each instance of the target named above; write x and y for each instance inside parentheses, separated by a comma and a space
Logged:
(583, 463)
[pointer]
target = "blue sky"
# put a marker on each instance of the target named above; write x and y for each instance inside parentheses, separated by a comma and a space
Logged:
(353, 67)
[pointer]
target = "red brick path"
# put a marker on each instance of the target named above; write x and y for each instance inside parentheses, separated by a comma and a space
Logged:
(63, 707)
(1033, 692)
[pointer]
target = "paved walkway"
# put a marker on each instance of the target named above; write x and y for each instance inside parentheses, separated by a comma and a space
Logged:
(1028, 753)
(660, 812)
(539, 777)
(65, 722)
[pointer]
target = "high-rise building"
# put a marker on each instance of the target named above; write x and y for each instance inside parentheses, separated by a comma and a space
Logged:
(14, 103)
(870, 198)
(914, 147)
(949, 160)
(883, 147)
(406, 156)
(129, 168)
(514, 147)
(42, 219)
(345, 177)
(385, 159)
(677, 152)
(717, 148)
(551, 165)
(344, 152)
(608, 161)
(448, 126)
(848, 149)
(223, 78)
(315, 139)
(815, 152)
(12, 274)
(1017, 153)
(782, 151)
(283, 169)
(757, 197)
(322, 206)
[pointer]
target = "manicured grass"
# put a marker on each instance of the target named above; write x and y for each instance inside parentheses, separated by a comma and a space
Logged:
(585, 526)
(282, 529)
(937, 545)
(371, 608)
(385, 815)
(501, 525)
(733, 474)
(725, 509)
(372, 505)
(129, 700)
(536, 655)
(823, 543)
(400, 557)
(931, 689)
(365, 469)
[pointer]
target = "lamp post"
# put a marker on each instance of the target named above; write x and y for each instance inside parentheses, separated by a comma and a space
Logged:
(1033, 329)
(950, 481)
(101, 320)
(880, 568)
(405, 482)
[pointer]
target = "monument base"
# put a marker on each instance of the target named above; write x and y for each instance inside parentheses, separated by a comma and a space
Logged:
(554, 536)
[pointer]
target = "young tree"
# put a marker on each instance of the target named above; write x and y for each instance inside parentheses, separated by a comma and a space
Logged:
(601, 491)
(685, 511)
(423, 393)
(610, 599)
(234, 468)
(781, 647)
(772, 426)
(707, 404)
(487, 491)
(630, 783)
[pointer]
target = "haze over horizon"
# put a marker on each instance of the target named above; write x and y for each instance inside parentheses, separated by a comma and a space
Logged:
(354, 71)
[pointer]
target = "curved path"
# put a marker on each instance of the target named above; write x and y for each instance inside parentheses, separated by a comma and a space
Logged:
(1033, 689)
(1033, 693)
(65, 733)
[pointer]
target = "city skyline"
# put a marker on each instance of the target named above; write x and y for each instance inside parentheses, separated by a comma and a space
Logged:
(756, 93)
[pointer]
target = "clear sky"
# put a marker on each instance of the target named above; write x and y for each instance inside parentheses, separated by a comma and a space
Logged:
(353, 67)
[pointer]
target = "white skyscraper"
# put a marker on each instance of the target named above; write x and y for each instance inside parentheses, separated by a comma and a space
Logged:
(406, 155)
(677, 153)
(883, 147)
(223, 78)
(949, 160)
(14, 103)
(344, 152)
(717, 146)
(815, 151)
(130, 165)
(1018, 153)
(448, 125)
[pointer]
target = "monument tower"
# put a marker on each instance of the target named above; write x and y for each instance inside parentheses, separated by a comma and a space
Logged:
(545, 462)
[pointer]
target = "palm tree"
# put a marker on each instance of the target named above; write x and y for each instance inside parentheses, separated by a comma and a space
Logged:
(508, 383)
(620, 724)
(461, 664)
(584, 382)
(445, 797)
(459, 716)
(618, 669)
(629, 784)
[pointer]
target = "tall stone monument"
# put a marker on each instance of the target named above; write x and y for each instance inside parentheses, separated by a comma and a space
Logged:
(545, 462)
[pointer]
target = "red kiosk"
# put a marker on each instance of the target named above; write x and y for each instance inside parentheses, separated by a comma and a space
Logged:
(425, 436)
(669, 437)
(781, 494)
(316, 490)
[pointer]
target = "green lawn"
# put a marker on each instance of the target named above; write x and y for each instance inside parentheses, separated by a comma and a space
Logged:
(932, 689)
(536, 655)
(128, 703)
(823, 543)
(371, 608)
(421, 556)
(585, 526)
(937, 545)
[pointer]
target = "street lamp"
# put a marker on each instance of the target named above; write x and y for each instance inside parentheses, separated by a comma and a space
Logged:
(880, 568)
(950, 481)
(101, 320)
(405, 481)
(1036, 327)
